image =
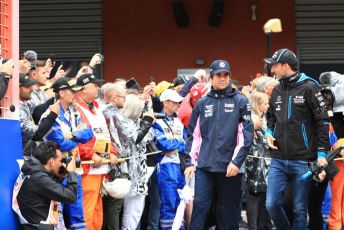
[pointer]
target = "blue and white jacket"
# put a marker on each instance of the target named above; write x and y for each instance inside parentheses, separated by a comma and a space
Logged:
(220, 112)
(169, 135)
(68, 130)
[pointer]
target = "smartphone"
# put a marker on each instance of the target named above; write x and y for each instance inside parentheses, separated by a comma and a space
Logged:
(132, 84)
(61, 64)
(101, 58)
(151, 79)
(52, 57)
(55, 67)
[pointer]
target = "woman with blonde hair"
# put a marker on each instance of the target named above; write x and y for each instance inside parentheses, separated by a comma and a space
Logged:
(130, 133)
(137, 167)
(259, 105)
(133, 107)
(257, 168)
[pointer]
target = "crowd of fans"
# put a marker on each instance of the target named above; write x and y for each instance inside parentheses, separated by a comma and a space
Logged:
(116, 155)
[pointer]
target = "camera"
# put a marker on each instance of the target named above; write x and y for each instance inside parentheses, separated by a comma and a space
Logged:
(329, 99)
(4, 60)
(326, 91)
(66, 159)
(31, 56)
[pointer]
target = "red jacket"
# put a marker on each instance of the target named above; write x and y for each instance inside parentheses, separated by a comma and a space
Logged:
(184, 111)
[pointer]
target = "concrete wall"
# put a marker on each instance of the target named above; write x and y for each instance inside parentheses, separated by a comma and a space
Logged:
(141, 38)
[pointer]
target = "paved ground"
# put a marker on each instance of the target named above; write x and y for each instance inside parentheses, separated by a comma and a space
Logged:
(243, 226)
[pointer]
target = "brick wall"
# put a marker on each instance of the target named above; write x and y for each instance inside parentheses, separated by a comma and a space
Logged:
(141, 38)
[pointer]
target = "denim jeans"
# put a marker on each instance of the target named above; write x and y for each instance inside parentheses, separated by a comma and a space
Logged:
(280, 173)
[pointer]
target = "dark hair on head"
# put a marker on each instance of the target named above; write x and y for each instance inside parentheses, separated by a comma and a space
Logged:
(212, 75)
(46, 150)
(294, 67)
(234, 82)
(29, 147)
(40, 63)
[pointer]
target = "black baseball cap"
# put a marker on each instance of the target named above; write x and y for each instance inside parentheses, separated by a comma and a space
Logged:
(65, 83)
(88, 78)
(282, 56)
(25, 81)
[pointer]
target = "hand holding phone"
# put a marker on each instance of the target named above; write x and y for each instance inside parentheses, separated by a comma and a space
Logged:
(96, 60)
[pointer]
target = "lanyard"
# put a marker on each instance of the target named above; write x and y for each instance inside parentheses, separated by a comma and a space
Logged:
(169, 127)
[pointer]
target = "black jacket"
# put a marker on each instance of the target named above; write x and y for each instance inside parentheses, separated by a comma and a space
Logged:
(40, 109)
(297, 119)
(3, 84)
(39, 189)
(145, 124)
